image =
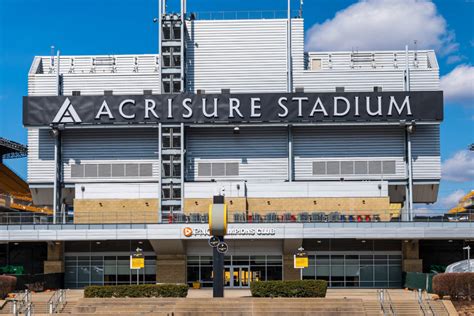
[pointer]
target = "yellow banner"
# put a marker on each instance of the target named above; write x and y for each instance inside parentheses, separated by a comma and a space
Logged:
(301, 262)
(137, 263)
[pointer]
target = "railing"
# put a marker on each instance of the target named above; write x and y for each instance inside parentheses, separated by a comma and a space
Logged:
(386, 302)
(22, 304)
(421, 303)
(151, 217)
(432, 310)
(244, 15)
(57, 301)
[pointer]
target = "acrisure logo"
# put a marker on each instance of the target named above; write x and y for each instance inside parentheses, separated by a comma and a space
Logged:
(67, 114)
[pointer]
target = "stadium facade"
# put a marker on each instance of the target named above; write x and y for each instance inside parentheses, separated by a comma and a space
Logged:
(325, 150)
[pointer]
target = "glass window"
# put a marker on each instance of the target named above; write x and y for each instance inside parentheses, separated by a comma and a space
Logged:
(193, 274)
(206, 260)
(366, 273)
(274, 273)
(322, 260)
(206, 274)
(257, 260)
(309, 273)
(240, 260)
(322, 271)
(381, 273)
(272, 260)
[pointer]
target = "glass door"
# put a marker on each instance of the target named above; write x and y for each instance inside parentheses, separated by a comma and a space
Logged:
(244, 276)
(239, 276)
(227, 276)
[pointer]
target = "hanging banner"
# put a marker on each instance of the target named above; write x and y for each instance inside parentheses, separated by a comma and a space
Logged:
(234, 108)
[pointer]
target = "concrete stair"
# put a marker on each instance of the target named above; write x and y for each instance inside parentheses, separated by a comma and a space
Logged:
(220, 306)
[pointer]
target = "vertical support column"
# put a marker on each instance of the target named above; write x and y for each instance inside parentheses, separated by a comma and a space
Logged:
(410, 178)
(411, 256)
(55, 259)
(289, 65)
(183, 60)
(182, 166)
(57, 186)
(409, 188)
(160, 171)
(290, 153)
(218, 268)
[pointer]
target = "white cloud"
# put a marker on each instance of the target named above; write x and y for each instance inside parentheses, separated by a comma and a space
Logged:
(460, 167)
(443, 205)
(458, 85)
(383, 25)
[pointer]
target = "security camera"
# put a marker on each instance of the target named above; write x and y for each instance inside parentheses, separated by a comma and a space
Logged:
(155, 20)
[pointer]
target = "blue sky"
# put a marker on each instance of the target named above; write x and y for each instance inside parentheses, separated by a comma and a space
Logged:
(30, 27)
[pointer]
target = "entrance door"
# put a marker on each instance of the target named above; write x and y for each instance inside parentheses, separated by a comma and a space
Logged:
(239, 276)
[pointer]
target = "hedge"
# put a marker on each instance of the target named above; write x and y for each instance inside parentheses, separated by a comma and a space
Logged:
(304, 288)
(142, 290)
(7, 285)
(458, 286)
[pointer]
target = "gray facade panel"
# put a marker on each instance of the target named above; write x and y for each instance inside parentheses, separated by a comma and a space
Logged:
(426, 152)
(111, 154)
(349, 152)
(261, 153)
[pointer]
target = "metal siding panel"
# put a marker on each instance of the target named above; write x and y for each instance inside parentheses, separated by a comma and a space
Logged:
(260, 152)
(426, 152)
(110, 146)
(129, 74)
(240, 55)
(365, 143)
(40, 156)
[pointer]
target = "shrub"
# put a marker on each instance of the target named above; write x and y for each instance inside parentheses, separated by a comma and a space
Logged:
(7, 285)
(142, 290)
(304, 288)
(457, 285)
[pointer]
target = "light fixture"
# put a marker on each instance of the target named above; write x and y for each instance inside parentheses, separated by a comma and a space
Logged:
(319, 241)
(450, 240)
(236, 130)
(53, 132)
(363, 241)
(411, 127)
(97, 242)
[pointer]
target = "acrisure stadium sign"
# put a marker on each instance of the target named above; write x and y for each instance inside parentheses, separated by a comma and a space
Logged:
(234, 108)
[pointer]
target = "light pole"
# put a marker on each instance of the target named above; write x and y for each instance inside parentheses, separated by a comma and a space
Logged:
(468, 248)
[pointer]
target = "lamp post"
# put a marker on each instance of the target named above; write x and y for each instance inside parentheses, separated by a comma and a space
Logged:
(468, 248)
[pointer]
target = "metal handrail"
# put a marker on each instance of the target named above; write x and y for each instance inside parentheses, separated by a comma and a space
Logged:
(134, 217)
(57, 301)
(384, 297)
(428, 300)
(421, 304)
(22, 304)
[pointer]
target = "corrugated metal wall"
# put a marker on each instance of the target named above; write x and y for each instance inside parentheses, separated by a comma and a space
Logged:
(40, 156)
(240, 55)
(351, 80)
(426, 153)
(260, 152)
(110, 146)
(378, 69)
(123, 74)
(343, 143)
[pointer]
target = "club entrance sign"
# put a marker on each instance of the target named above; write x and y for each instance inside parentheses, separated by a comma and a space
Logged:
(301, 259)
(239, 108)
